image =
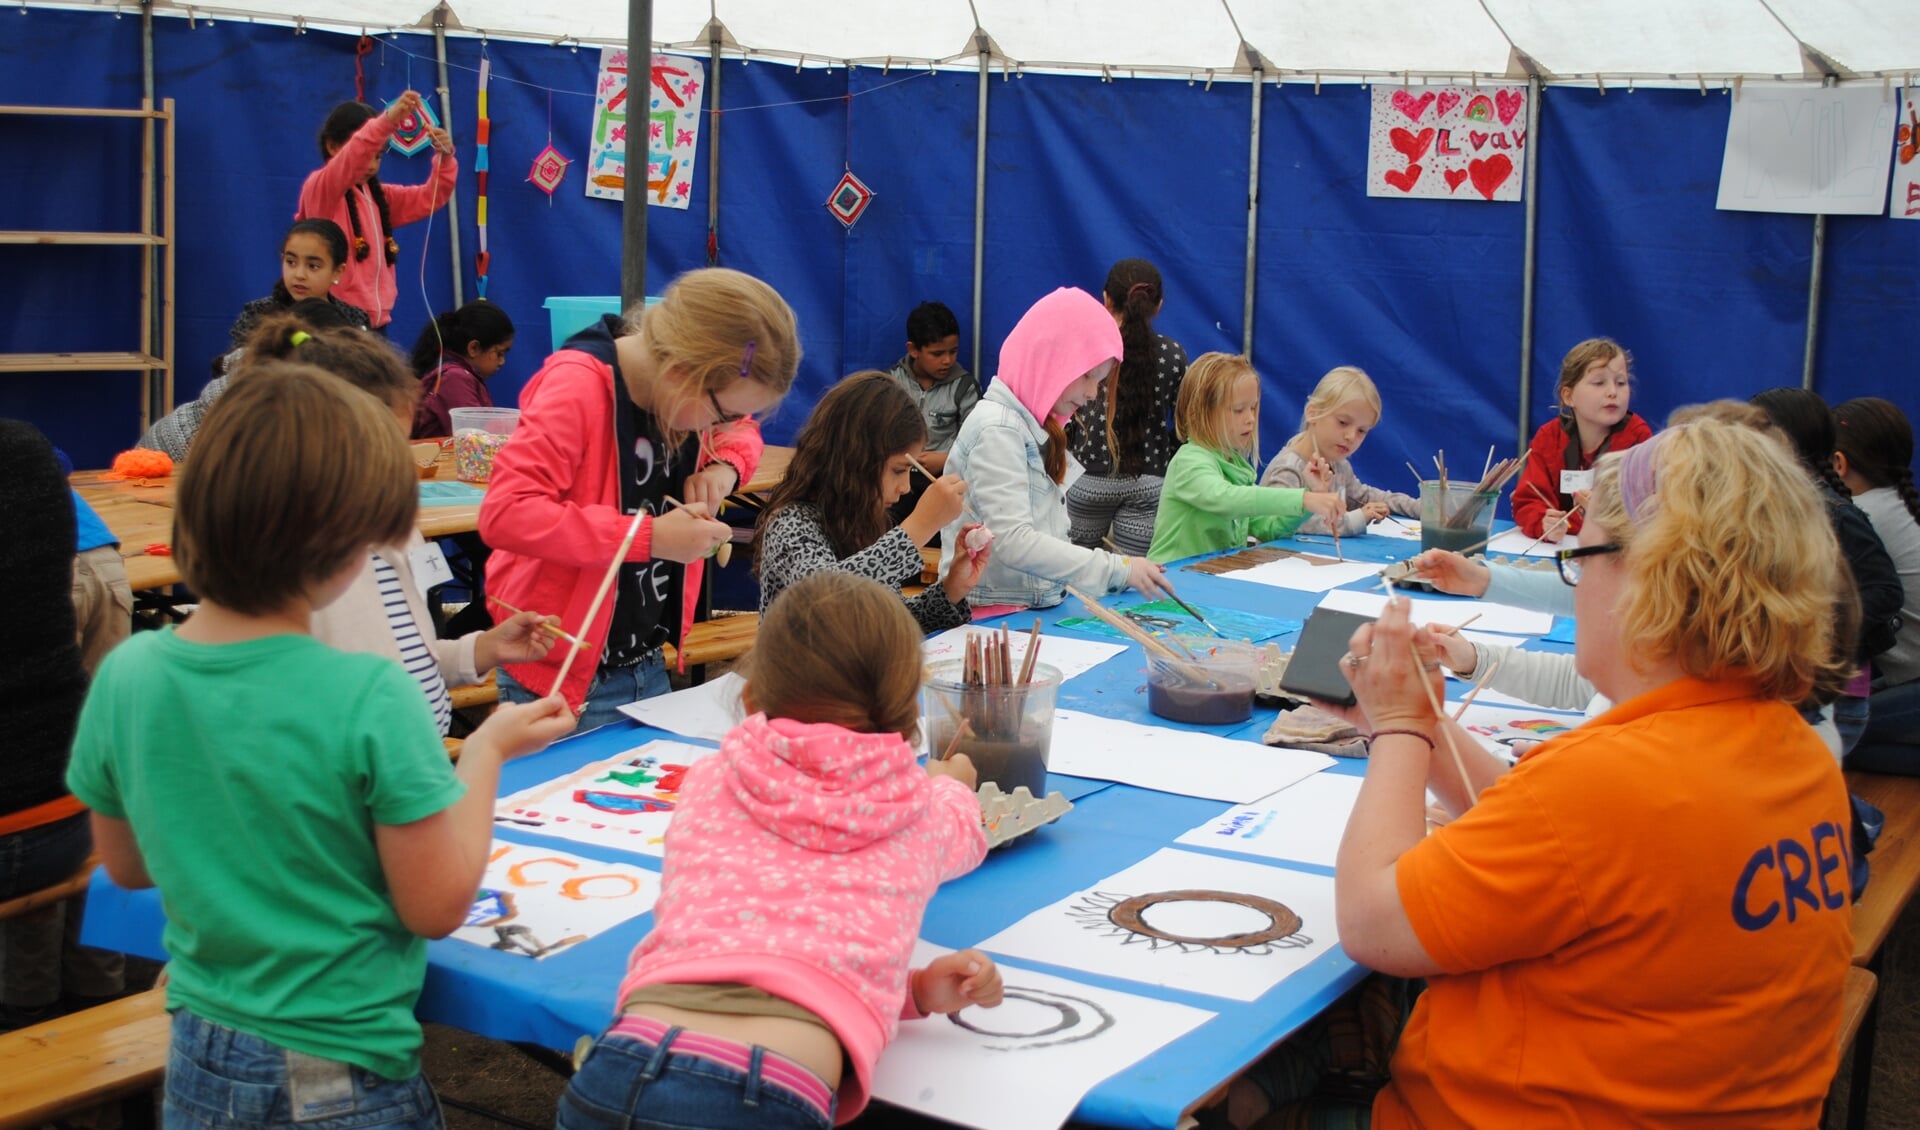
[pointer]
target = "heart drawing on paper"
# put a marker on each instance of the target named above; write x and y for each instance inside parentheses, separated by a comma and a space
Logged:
(1413, 145)
(1508, 103)
(1490, 174)
(1454, 177)
(1404, 179)
(1448, 100)
(1410, 106)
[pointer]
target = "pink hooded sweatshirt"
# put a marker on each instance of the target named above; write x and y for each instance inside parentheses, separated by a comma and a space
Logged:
(799, 861)
(1056, 342)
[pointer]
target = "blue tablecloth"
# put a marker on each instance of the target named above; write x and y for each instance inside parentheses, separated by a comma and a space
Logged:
(554, 1001)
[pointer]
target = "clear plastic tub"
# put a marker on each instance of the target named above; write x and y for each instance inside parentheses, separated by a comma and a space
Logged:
(1457, 519)
(1214, 688)
(478, 436)
(1009, 728)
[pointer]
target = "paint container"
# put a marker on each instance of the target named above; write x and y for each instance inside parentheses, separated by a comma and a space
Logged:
(478, 436)
(1010, 728)
(1457, 518)
(1215, 688)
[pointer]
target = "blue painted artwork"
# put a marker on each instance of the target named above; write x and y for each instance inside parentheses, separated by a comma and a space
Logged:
(1164, 617)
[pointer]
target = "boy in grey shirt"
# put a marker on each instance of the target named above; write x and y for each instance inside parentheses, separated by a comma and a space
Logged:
(942, 388)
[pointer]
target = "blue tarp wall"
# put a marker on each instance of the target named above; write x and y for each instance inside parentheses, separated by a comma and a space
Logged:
(1423, 294)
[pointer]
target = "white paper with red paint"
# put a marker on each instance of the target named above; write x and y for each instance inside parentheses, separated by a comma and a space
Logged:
(625, 801)
(1447, 142)
(535, 902)
(1904, 202)
(668, 116)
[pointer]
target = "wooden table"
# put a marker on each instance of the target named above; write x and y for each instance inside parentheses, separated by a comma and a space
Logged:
(140, 513)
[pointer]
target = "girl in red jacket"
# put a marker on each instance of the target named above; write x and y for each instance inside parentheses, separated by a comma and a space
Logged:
(1596, 387)
(347, 190)
(627, 414)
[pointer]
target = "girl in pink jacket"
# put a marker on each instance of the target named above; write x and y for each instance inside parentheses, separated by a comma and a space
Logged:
(798, 864)
(627, 415)
(347, 190)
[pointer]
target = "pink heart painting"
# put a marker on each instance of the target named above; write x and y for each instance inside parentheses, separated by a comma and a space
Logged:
(1412, 145)
(1410, 106)
(1454, 178)
(1490, 174)
(1404, 179)
(1508, 103)
(1448, 100)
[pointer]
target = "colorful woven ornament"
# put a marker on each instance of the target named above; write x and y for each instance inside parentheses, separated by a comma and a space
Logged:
(549, 167)
(412, 135)
(482, 134)
(849, 199)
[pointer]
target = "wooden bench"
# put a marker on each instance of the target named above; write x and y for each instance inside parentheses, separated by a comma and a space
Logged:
(486, 692)
(1894, 876)
(47, 896)
(115, 1052)
(714, 641)
(1857, 1000)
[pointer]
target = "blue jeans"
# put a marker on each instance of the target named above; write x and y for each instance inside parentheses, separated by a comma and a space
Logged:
(222, 1079)
(40, 954)
(630, 1084)
(1891, 741)
(1850, 717)
(611, 689)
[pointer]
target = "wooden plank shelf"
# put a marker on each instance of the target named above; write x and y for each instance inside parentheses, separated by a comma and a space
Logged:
(81, 112)
(79, 362)
(84, 238)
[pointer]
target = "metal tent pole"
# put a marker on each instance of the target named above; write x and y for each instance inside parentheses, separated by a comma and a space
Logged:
(1813, 298)
(713, 144)
(446, 120)
(1532, 208)
(979, 192)
(633, 205)
(1253, 214)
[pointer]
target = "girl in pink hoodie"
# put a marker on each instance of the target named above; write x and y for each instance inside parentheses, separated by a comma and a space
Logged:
(799, 862)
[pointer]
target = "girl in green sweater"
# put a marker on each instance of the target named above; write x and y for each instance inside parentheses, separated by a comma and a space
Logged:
(1211, 500)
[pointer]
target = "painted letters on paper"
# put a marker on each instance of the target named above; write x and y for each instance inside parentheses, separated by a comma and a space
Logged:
(670, 123)
(1447, 142)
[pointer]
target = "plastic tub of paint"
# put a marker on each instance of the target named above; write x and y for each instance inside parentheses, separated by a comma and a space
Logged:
(1214, 688)
(1009, 729)
(1457, 518)
(569, 314)
(478, 436)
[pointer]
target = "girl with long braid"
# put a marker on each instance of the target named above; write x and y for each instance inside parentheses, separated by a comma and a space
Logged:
(347, 190)
(1874, 458)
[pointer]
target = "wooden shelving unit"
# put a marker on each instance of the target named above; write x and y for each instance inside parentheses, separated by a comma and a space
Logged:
(155, 239)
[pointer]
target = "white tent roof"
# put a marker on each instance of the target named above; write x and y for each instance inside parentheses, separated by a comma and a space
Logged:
(1568, 40)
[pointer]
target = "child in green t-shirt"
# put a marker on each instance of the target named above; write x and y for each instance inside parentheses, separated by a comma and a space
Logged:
(293, 803)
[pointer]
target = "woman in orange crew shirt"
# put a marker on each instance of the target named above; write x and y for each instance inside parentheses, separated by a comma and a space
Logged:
(1645, 921)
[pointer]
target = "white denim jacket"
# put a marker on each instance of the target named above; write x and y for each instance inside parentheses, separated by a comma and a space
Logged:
(998, 454)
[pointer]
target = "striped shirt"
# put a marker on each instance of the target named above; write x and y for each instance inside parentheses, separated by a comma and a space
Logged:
(415, 655)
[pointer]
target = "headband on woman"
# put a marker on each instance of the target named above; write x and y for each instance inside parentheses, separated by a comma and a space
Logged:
(1637, 478)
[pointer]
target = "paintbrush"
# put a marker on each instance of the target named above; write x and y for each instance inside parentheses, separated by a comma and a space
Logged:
(1439, 714)
(546, 625)
(723, 552)
(1564, 521)
(606, 584)
(1033, 654)
(1195, 613)
(1478, 686)
(1136, 633)
(919, 466)
(1487, 467)
(1456, 628)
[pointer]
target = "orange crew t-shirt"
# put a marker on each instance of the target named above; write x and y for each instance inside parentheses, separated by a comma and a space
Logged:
(1645, 923)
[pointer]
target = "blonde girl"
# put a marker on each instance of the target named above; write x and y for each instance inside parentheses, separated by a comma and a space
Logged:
(1344, 408)
(1210, 500)
(628, 413)
(801, 858)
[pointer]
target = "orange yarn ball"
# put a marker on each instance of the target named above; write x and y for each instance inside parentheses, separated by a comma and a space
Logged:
(142, 463)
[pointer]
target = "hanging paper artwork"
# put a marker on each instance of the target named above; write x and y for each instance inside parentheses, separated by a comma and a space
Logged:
(535, 902)
(549, 167)
(625, 801)
(482, 135)
(1905, 203)
(413, 134)
(1447, 142)
(849, 199)
(676, 87)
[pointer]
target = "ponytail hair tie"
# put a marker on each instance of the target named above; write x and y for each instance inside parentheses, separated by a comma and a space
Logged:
(299, 338)
(1136, 288)
(746, 360)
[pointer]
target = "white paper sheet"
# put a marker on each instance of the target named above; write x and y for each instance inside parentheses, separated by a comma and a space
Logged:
(1185, 762)
(1303, 575)
(1490, 697)
(1493, 617)
(1026, 1064)
(1302, 822)
(1808, 149)
(1513, 543)
(1072, 655)
(625, 801)
(1225, 945)
(535, 902)
(1406, 529)
(1506, 730)
(707, 711)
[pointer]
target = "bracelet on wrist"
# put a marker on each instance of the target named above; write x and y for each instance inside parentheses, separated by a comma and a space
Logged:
(1423, 736)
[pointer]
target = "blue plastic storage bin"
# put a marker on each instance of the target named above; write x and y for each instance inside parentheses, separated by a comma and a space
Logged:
(571, 314)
